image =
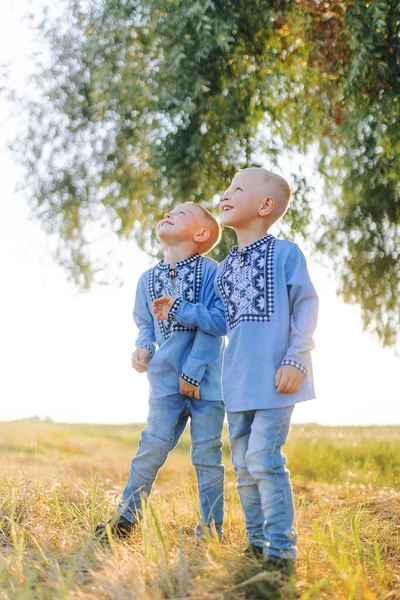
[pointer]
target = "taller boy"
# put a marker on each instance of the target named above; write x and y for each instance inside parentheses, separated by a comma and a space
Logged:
(267, 305)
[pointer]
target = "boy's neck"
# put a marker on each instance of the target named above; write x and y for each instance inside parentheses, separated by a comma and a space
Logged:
(249, 235)
(174, 254)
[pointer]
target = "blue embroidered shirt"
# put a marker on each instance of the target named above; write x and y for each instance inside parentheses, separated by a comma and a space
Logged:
(268, 307)
(178, 350)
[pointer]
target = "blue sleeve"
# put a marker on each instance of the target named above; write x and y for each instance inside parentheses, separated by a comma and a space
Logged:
(144, 319)
(208, 316)
(303, 302)
(206, 347)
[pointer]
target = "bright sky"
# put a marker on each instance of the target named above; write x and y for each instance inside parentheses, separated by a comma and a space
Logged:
(66, 355)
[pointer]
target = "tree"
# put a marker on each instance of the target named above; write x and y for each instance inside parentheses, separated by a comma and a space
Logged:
(145, 102)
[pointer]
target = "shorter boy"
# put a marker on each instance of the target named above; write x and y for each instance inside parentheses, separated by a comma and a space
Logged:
(183, 366)
(267, 305)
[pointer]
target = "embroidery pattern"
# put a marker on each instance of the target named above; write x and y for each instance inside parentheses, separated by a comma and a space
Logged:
(246, 282)
(189, 379)
(296, 365)
(174, 309)
(151, 348)
(187, 287)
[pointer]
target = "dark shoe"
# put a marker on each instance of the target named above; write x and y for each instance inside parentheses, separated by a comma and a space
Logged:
(253, 551)
(284, 566)
(257, 581)
(120, 528)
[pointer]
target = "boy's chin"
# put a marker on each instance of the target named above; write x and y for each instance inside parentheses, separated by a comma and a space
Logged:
(170, 237)
(163, 235)
(227, 220)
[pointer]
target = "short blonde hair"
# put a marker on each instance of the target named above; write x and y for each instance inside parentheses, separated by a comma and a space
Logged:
(212, 225)
(279, 184)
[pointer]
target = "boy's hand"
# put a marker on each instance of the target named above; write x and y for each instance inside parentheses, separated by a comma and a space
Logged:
(162, 306)
(288, 380)
(140, 358)
(189, 390)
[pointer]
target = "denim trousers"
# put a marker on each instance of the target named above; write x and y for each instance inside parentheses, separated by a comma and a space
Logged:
(264, 487)
(166, 422)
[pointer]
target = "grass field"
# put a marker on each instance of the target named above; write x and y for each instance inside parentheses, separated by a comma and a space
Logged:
(57, 481)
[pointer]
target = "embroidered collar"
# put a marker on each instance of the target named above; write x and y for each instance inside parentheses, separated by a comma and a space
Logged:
(180, 263)
(267, 238)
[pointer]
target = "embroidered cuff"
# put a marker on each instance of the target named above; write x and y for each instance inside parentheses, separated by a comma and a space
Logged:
(174, 310)
(296, 365)
(151, 348)
(189, 379)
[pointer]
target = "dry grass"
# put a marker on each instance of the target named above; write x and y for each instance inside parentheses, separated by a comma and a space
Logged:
(58, 480)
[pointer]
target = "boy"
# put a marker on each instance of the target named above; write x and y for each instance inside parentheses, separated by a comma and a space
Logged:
(184, 372)
(267, 305)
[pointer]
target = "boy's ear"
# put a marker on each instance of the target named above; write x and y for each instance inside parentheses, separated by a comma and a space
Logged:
(201, 235)
(267, 207)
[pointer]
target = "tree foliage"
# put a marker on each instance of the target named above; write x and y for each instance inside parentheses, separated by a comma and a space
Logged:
(145, 102)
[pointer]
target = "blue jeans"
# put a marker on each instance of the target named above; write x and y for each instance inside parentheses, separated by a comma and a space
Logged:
(166, 422)
(265, 492)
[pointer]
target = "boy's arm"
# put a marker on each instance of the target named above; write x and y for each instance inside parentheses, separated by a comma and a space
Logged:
(206, 349)
(209, 316)
(303, 310)
(144, 320)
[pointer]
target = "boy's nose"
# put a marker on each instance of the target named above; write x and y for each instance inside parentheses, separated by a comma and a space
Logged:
(167, 216)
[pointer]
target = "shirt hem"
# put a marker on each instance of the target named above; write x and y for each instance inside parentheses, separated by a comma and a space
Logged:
(153, 397)
(265, 406)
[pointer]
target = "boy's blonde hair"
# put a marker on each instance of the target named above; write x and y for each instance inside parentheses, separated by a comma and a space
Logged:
(212, 225)
(282, 192)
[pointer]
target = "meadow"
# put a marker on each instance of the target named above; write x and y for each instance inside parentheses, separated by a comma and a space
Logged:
(58, 480)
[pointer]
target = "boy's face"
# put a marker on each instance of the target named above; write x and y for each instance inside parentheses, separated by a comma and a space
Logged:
(243, 199)
(181, 224)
